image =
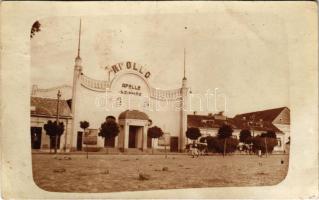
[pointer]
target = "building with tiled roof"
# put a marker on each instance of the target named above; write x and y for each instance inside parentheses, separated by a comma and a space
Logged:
(47, 107)
(276, 115)
(276, 120)
(43, 110)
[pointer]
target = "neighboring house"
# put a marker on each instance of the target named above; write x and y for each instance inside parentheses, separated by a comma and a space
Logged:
(43, 110)
(276, 120)
(208, 124)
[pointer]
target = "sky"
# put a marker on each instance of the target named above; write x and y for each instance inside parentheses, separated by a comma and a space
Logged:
(243, 54)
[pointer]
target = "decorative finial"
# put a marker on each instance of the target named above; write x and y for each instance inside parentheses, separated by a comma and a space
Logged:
(79, 44)
(184, 78)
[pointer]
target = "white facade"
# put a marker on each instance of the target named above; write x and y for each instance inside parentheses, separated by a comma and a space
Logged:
(127, 87)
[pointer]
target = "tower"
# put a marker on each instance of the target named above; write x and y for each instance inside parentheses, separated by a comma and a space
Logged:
(75, 90)
(184, 108)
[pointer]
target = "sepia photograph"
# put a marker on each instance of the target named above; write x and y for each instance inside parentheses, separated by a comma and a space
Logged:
(178, 100)
(128, 103)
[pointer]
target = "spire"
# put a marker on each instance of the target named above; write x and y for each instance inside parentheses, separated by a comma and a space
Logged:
(79, 44)
(78, 60)
(184, 78)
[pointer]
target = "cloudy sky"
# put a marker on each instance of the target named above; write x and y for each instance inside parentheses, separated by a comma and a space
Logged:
(243, 54)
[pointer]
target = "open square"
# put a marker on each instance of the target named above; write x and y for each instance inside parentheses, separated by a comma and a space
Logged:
(114, 173)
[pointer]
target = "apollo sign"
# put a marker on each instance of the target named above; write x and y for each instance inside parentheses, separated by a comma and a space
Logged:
(132, 66)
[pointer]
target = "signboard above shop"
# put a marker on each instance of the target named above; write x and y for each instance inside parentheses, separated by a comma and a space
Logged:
(164, 140)
(90, 137)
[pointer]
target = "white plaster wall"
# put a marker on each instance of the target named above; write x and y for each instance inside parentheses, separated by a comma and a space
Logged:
(286, 129)
(95, 106)
(283, 143)
(45, 139)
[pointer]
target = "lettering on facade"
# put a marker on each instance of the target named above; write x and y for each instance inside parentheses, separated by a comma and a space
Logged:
(131, 89)
(131, 66)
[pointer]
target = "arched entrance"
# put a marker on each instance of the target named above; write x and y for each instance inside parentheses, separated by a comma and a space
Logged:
(133, 130)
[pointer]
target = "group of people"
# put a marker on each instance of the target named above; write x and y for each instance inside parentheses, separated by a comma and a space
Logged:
(197, 149)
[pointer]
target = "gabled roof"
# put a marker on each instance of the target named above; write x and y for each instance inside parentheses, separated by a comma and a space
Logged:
(133, 114)
(47, 107)
(206, 121)
(264, 115)
(257, 126)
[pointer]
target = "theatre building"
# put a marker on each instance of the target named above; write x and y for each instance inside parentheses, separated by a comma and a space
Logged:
(127, 95)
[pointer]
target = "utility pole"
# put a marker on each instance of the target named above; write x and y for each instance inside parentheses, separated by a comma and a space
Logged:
(65, 137)
(266, 146)
(57, 122)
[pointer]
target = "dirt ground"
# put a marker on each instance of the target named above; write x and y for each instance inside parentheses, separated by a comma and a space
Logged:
(111, 173)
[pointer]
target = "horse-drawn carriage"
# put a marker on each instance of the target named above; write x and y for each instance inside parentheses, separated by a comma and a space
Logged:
(197, 149)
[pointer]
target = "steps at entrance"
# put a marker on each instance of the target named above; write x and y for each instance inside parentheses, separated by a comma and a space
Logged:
(110, 151)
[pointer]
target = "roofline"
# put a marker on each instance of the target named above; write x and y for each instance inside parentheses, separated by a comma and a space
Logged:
(201, 115)
(54, 116)
(202, 127)
(261, 111)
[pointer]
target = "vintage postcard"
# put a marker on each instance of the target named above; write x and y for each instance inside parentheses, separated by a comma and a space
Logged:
(159, 100)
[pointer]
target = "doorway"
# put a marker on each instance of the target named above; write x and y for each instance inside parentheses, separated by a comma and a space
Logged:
(79, 141)
(132, 141)
(174, 144)
(36, 137)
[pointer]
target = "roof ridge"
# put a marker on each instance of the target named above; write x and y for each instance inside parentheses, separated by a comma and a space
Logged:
(259, 111)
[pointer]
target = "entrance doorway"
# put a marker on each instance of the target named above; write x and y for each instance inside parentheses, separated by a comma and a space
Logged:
(174, 144)
(79, 141)
(132, 136)
(36, 137)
